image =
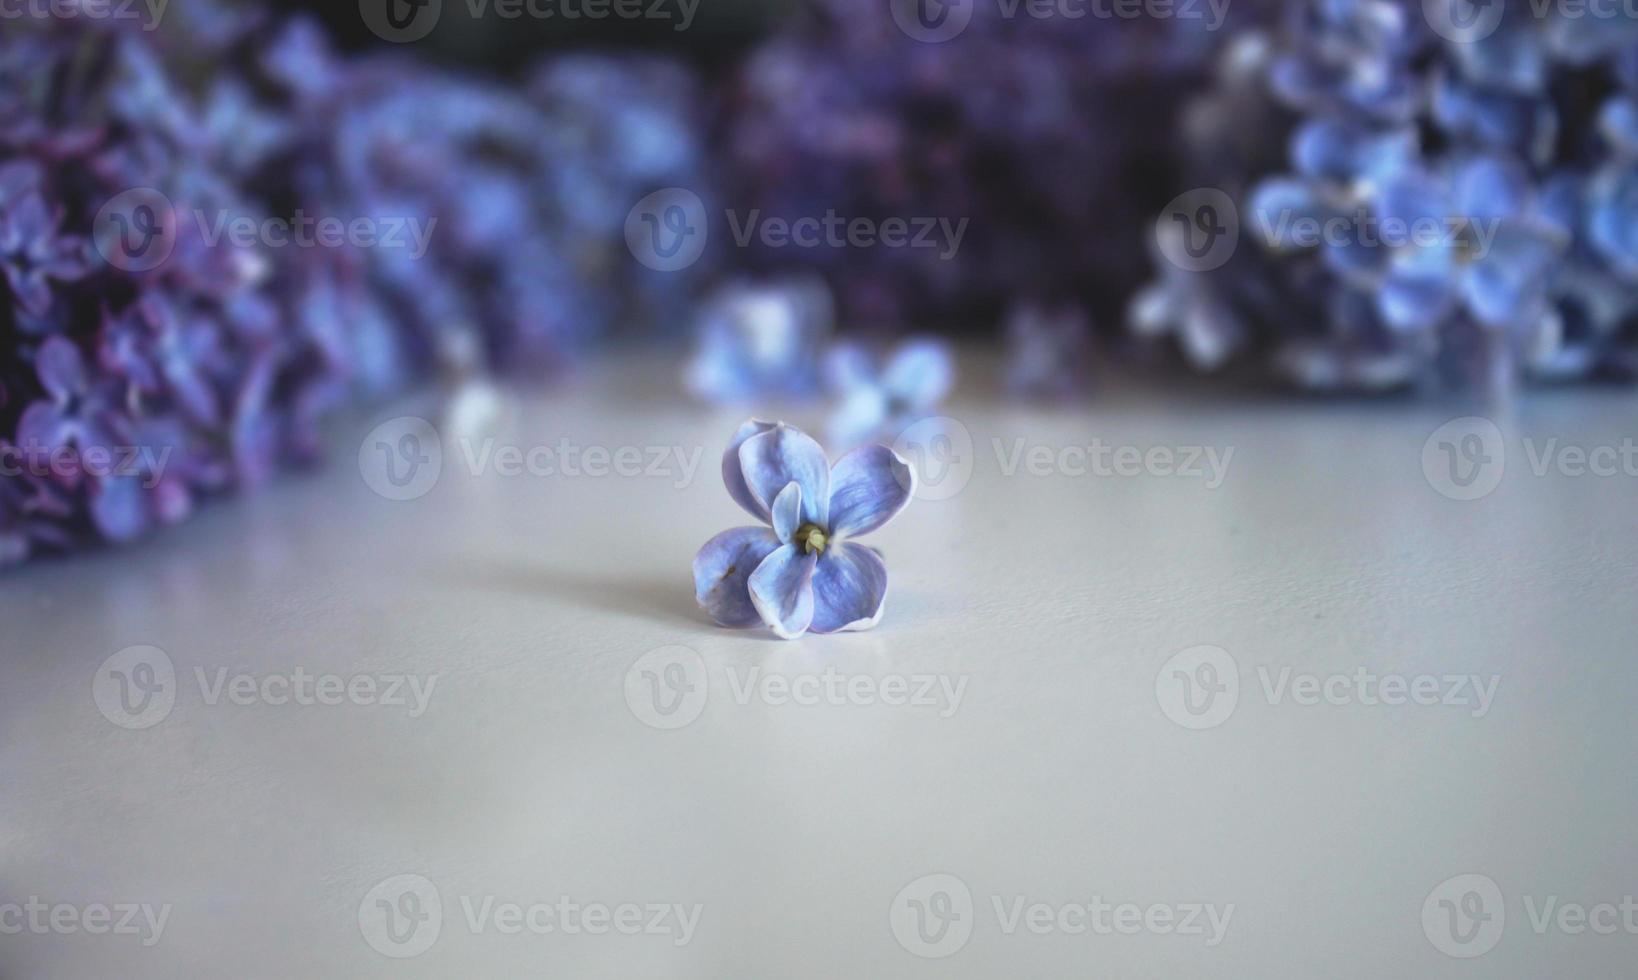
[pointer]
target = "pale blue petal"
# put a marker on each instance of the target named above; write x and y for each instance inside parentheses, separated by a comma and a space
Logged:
(722, 570)
(1492, 188)
(920, 374)
(849, 589)
(734, 477)
(782, 591)
(847, 367)
(861, 416)
(867, 488)
(1508, 285)
(787, 512)
(783, 455)
(1409, 304)
(1618, 121)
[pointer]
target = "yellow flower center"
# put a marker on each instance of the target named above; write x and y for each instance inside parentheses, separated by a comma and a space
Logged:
(812, 538)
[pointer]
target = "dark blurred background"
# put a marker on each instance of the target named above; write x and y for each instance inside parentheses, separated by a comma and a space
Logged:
(721, 30)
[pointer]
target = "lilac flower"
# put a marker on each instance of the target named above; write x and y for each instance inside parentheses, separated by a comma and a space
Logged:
(881, 402)
(33, 254)
(77, 413)
(802, 572)
(757, 340)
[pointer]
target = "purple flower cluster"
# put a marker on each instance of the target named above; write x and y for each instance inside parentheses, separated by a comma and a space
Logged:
(1470, 170)
(193, 277)
(1042, 133)
(127, 392)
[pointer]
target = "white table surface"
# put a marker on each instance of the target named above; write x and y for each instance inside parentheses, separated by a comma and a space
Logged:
(1052, 602)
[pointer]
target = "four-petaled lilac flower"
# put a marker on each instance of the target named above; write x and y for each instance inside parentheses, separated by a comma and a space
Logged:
(804, 573)
(882, 403)
(78, 413)
(33, 254)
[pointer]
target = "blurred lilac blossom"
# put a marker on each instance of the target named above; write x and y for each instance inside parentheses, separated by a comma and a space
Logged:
(878, 401)
(760, 340)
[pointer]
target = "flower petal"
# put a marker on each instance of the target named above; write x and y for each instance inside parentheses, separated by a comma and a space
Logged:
(867, 488)
(787, 512)
(119, 508)
(782, 591)
(920, 374)
(722, 568)
(61, 368)
(734, 477)
(776, 458)
(847, 367)
(861, 416)
(43, 428)
(849, 589)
